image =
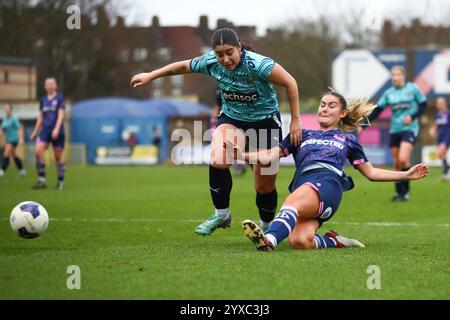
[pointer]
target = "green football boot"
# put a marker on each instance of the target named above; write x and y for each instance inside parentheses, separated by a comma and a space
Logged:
(211, 224)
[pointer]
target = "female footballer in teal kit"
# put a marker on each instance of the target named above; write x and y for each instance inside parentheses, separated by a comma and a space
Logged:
(249, 104)
(10, 128)
(407, 104)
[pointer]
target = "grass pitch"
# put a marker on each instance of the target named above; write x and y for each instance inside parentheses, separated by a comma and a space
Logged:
(131, 232)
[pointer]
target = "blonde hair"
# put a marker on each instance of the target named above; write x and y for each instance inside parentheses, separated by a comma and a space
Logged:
(358, 110)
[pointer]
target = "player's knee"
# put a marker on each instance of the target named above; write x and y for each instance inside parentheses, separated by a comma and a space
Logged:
(264, 189)
(301, 242)
(441, 153)
(219, 165)
(403, 163)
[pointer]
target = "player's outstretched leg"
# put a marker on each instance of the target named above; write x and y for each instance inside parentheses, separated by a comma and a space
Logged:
(337, 241)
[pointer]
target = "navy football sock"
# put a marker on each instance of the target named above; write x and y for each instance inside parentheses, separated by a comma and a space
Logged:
(61, 170)
(282, 225)
(445, 166)
(322, 242)
(399, 187)
(18, 162)
(405, 184)
(220, 184)
(267, 205)
(40, 166)
(5, 163)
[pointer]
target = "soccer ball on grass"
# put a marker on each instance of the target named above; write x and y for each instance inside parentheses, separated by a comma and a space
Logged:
(29, 219)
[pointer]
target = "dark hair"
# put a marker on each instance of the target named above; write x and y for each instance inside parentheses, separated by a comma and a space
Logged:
(224, 36)
(228, 36)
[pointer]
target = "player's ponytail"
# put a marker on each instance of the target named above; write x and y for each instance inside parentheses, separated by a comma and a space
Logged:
(228, 36)
(358, 111)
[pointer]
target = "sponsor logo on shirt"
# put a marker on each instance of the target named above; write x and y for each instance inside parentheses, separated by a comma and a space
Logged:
(240, 97)
(48, 108)
(401, 106)
(339, 137)
(323, 142)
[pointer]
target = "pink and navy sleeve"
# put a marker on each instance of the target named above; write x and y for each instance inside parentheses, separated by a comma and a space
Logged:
(287, 147)
(356, 154)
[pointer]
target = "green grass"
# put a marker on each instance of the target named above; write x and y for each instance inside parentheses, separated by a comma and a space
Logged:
(130, 230)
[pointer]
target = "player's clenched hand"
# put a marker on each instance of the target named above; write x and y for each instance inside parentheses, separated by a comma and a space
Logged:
(419, 171)
(432, 131)
(296, 132)
(140, 79)
(55, 134)
(407, 120)
(233, 150)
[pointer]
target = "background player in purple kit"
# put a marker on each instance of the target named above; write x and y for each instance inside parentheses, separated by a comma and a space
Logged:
(442, 128)
(319, 180)
(49, 128)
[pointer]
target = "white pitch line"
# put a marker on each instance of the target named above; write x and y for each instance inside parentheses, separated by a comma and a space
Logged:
(149, 220)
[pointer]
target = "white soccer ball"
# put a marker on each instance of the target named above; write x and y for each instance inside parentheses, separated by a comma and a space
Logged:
(29, 219)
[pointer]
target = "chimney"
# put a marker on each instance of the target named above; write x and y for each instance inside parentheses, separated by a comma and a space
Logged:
(203, 30)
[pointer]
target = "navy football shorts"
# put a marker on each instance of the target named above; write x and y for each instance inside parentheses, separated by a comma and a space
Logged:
(328, 187)
(262, 134)
(45, 137)
(444, 138)
(395, 139)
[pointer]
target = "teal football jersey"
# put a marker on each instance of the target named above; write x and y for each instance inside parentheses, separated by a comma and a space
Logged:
(246, 93)
(403, 101)
(10, 127)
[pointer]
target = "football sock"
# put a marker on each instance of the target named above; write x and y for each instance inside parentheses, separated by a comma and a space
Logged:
(18, 162)
(267, 205)
(224, 214)
(282, 225)
(61, 170)
(445, 166)
(264, 225)
(220, 184)
(40, 166)
(399, 187)
(5, 163)
(405, 184)
(322, 242)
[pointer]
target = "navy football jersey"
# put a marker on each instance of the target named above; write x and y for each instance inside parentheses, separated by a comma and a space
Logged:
(50, 108)
(333, 147)
(443, 121)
